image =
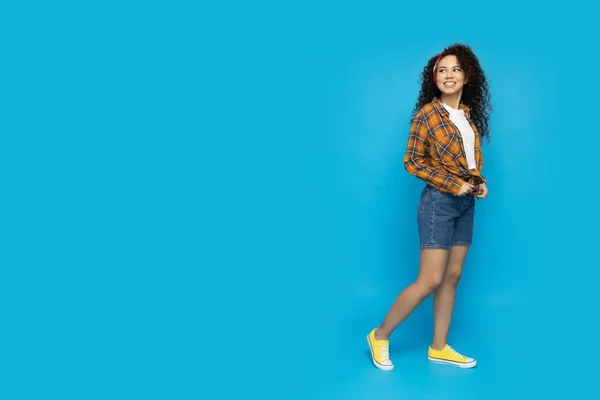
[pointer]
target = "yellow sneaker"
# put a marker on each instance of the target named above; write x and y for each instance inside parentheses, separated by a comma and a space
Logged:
(380, 352)
(450, 356)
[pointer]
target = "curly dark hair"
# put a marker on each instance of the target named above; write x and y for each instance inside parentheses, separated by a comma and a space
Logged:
(475, 95)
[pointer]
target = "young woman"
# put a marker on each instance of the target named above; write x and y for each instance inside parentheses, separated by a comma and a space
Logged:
(444, 150)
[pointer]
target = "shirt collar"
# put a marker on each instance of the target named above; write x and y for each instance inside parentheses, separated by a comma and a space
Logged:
(440, 107)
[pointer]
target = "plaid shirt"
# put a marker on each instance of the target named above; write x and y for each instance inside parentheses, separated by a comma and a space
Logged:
(435, 152)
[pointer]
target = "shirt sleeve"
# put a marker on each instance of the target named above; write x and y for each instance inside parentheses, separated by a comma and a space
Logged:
(480, 155)
(416, 164)
(483, 180)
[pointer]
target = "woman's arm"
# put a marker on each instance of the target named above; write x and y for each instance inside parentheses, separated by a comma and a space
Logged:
(416, 164)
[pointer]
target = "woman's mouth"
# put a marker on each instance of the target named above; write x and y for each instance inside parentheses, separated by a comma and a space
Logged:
(449, 84)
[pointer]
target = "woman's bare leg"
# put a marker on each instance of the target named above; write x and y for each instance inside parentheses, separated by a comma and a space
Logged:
(431, 273)
(443, 299)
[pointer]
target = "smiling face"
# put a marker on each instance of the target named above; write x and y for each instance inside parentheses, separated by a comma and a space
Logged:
(450, 76)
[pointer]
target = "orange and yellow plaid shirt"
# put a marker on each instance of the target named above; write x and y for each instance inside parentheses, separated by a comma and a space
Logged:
(435, 151)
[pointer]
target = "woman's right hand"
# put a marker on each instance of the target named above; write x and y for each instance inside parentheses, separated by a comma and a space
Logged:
(466, 188)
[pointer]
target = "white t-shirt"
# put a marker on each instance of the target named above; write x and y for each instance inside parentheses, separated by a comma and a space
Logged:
(467, 133)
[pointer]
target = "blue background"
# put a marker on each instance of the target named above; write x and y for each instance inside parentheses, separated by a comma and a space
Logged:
(204, 201)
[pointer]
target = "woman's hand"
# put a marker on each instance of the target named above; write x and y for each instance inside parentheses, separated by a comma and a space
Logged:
(466, 188)
(481, 191)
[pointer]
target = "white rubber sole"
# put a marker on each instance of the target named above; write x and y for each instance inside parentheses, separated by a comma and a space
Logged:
(380, 366)
(470, 364)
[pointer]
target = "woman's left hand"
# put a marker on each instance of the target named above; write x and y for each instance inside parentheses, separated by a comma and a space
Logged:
(481, 191)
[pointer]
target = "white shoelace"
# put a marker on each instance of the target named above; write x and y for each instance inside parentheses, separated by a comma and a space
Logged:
(456, 353)
(385, 352)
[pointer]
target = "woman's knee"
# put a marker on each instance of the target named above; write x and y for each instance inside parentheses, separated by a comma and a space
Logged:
(452, 276)
(433, 264)
(430, 282)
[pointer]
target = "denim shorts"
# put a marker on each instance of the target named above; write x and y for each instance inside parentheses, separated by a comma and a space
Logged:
(445, 220)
